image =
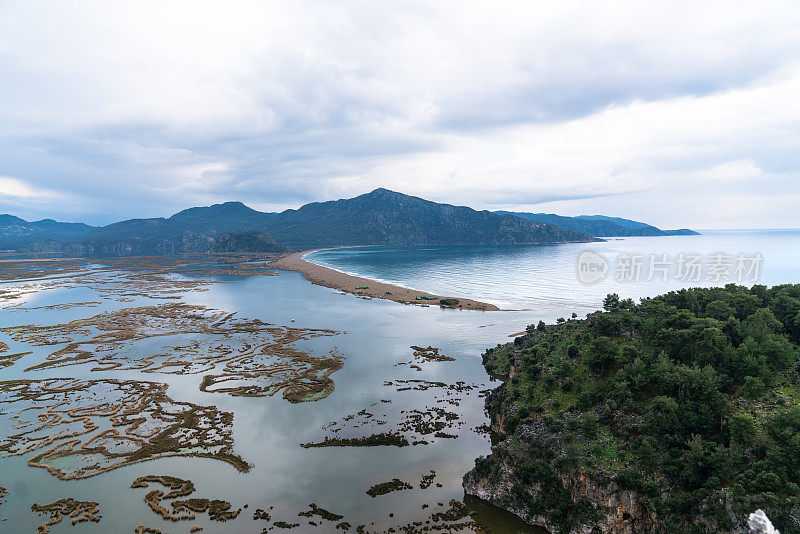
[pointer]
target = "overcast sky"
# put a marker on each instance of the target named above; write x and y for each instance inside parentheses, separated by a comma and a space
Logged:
(676, 113)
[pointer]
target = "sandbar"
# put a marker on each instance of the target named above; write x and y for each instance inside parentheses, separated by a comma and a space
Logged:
(327, 277)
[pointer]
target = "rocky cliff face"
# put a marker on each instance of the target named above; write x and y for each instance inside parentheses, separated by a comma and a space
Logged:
(620, 512)
(531, 472)
(505, 478)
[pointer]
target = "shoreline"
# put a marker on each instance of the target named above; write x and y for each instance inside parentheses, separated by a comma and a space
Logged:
(348, 283)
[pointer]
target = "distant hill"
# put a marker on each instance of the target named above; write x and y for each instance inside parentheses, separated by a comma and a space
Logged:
(626, 223)
(381, 217)
(636, 225)
(16, 232)
(600, 225)
(193, 230)
(250, 241)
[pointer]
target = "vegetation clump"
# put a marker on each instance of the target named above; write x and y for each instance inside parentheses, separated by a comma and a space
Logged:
(387, 487)
(427, 480)
(429, 354)
(321, 512)
(7, 360)
(261, 514)
(381, 439)
(79, 511)
(458, 510)
(184, 509)
(689, 401)
(218, 510)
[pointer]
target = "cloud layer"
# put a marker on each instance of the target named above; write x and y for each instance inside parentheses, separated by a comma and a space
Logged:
(676, 113)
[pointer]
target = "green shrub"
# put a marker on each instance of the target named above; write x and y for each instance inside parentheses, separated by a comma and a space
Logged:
(753, 388)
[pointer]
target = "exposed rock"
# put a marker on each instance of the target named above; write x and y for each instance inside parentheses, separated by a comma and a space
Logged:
(759, 523)
(613, 510)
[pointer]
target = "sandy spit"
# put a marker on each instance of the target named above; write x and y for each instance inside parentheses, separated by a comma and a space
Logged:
(324, 276)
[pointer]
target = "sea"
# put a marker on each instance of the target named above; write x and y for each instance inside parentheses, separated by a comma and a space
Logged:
(547, 279)
(529, 282)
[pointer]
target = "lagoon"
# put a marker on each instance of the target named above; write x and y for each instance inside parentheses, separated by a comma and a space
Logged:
(375, 339)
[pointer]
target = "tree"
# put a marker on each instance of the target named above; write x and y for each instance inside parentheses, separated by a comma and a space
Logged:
(742, 429)
(602, 351)
(611, 302)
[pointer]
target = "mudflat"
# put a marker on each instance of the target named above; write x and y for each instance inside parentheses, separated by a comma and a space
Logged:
(324, 276)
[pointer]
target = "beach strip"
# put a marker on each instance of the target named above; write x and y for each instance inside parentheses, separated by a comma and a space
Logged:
(364, 287)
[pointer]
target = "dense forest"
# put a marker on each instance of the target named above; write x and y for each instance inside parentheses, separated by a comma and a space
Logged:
(688, 403)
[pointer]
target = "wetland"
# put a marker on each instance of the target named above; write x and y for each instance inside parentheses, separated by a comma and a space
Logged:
(173, 394)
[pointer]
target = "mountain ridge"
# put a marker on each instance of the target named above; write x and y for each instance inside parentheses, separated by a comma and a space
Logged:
(380, 217)
(16, 232)
(396, 218)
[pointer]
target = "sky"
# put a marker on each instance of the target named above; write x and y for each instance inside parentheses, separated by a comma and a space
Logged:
(680, 114)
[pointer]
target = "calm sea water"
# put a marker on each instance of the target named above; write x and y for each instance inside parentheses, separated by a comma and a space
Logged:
(541, 280)
(545, 278)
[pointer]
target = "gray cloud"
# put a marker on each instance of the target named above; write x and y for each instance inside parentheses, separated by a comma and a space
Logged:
(117, 111)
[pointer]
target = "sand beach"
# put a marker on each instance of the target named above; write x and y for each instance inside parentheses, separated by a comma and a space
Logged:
(364, 287)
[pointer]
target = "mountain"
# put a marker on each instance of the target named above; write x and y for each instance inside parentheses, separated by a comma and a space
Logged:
(381, 217)
(194, 230)
(385, 217)
(229, 216)
(16, 232)
(599, 225)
